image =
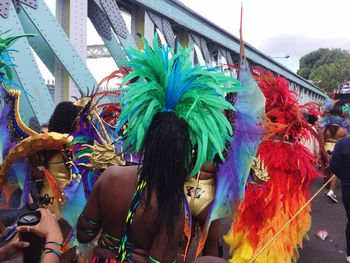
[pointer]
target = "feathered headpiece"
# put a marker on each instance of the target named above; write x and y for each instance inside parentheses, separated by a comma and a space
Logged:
(312, 108)
(165, 81)
(248, 121)
(281, 104)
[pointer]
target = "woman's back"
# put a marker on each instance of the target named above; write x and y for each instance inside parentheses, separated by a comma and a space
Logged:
(110, 202)
(118, 185)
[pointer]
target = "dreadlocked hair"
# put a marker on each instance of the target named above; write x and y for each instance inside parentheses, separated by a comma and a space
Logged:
(63, 117)
(166, 153)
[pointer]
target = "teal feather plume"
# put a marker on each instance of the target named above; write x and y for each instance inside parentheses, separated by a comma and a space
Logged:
(167, 81)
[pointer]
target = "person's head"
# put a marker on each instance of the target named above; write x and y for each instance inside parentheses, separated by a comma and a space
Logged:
(63, 117)
(332, 129)
(166, 153)
(44, 128)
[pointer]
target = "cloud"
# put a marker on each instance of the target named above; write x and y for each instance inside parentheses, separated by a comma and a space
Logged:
(300, 45)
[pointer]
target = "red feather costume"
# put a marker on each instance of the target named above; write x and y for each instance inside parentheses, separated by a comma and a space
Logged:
(267, 207)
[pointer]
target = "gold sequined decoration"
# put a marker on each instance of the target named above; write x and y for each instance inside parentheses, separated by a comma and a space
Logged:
(102, 156)
(259, 171)
(33, 144)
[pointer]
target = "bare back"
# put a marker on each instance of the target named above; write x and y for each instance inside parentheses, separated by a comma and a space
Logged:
(109, 204)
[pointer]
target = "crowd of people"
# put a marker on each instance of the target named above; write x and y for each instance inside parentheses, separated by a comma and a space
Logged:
(175, 121)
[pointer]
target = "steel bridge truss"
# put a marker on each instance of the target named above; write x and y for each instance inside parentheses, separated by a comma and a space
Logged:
(60, 42)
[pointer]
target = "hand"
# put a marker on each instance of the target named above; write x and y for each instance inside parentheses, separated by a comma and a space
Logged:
(12, 249)
(47, 228)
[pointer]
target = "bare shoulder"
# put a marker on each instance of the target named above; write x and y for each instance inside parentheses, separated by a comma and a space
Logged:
(119, 174)
(343, 132)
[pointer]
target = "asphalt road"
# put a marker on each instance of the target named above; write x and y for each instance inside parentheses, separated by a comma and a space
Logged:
(325, 216)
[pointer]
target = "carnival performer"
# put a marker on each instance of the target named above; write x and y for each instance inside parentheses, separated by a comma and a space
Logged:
(312, 144)
(311, 112)
(18, 143)
(231, 174)
(171, 108)
(56, 162)
(282, 174)
(332, 128)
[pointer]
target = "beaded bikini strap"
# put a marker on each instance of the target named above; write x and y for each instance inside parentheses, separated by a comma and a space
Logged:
(123, 253)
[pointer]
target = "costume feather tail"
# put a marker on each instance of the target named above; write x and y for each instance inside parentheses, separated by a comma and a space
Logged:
(248, 131)
(265, 211)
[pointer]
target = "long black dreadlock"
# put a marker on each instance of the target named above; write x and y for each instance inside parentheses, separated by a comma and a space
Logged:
(166, 154)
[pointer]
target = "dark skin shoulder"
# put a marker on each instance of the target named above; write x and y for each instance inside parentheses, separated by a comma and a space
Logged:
(109, 203)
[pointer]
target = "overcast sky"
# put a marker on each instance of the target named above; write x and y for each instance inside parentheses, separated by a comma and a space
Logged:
(283, 27)
(275, 27)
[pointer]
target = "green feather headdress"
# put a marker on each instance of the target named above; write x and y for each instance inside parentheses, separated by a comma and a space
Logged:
(169, 82)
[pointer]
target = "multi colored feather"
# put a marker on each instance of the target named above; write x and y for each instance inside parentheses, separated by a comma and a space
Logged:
(9, 128)
(268, 207)
(233, 173)
(167, 81)
(334, 120)
(6, 76)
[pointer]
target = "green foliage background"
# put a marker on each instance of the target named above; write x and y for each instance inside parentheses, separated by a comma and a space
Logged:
(327, 68)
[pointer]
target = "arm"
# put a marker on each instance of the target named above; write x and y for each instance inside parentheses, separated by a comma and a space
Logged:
(164, 247)
(336, 159)
(88, 223)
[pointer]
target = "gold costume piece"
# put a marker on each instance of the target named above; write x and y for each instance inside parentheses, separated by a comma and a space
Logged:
(329, 146)
(102, 156)
(16, 94)
(36, 144)
(31, 145)
(199, 193)
(259, 171)
(57, 167)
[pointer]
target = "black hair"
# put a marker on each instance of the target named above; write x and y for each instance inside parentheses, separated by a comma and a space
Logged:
(166, 153)
(63, 117)
(311, 119)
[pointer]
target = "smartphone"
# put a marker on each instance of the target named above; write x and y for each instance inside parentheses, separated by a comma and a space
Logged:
(31, 254)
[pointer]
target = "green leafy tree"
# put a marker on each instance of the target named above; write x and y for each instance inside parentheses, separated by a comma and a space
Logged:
(327, 68)
(330, 76)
